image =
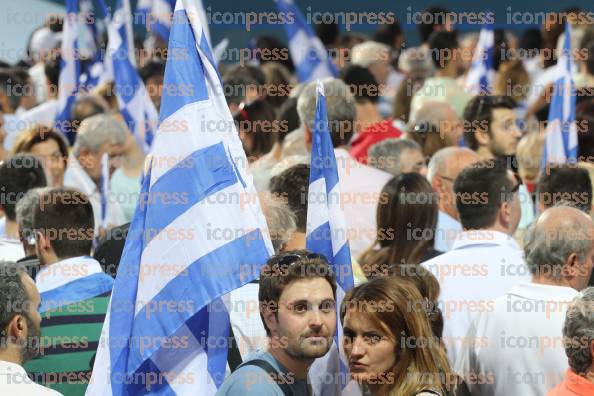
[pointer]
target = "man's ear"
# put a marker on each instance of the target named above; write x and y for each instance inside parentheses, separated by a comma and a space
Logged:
(268, 311)
(42, 241)
(571, 266)
(505, 212)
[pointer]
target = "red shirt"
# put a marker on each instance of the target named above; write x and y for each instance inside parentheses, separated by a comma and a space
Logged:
(573, 385)
(371, 135)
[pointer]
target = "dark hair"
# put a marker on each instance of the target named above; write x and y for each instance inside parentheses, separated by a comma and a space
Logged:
(480, 190)
(387, 33)
(407, 203)
(327, 32)
(38, 134)
(235, 88)
(63, 213)
(286, 267)
(152, 68)
(361, 82)
(273, 46)
(531, 40)
(13, 296)
(85, 107)
(52, 69)
(584, 116)
(293, 183)
(257, 120)
(478, 114)
(442, 44)
(568, 185)
(431, 17)
(287, 112)
(18, 175)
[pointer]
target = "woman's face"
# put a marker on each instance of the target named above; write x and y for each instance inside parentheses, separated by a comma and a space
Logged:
(54, 164)
(370, 352)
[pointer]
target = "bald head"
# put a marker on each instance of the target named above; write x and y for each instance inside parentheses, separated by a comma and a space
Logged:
(443, 116)
(450, 161)
(558, 246)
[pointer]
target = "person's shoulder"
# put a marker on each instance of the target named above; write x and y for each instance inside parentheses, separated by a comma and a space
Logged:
(249, 380)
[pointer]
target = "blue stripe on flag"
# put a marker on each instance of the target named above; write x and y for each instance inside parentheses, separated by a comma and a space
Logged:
(222, 263)
(210, 171)
(184, 69)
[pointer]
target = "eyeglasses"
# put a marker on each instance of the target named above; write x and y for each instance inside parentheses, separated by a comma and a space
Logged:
(451, 179)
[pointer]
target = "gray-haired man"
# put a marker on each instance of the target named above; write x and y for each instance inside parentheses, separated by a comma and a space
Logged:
(96, 136)
(515, 344)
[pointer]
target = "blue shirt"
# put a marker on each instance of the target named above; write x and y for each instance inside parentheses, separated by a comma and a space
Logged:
(252, 380)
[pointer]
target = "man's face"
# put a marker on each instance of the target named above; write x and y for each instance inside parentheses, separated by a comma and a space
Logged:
(412, 161)
(154, 86)
(33, 319)
(306, 318)
(585, 270)
(504, 133)
(54, 164)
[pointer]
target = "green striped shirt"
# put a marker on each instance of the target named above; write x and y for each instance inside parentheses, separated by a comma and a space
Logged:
(69, 339)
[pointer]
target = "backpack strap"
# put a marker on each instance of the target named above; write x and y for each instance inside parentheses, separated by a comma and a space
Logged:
(272, 372)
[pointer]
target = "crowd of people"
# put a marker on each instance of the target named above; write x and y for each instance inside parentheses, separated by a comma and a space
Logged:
(472, 263)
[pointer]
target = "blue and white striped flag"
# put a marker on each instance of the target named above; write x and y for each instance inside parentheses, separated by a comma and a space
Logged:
(561, 141)
(157, 15)
(166, 331)
(134, 101)
(69, 70)
(326, 232)
(97, 16)
(104, 189)
(480, 76)
(307, 51)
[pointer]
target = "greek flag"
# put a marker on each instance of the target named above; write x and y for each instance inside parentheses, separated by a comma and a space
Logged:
(134, 101)
(93, 68)
(309, 54)
(480, 76)
(69, 70)
(561, 132)
(157, 16)
(326, 234)
(166, 330)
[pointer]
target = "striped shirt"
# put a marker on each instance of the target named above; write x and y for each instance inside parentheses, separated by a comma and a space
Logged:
(72, 316)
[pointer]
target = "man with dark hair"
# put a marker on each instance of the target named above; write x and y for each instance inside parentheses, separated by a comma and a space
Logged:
(19, 331)
(485, 261)
(434, 19)
(491, 126)
(17, 176)
(445, 53)
(74, 289)
(297, 301)
(374, 128)
(152, 74)
(292, 185)
(565, 185)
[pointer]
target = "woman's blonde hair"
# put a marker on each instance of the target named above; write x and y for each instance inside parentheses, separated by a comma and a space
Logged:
(419, 366)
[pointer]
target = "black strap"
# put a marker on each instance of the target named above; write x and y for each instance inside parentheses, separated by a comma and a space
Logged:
(233, 355)
(272, 372)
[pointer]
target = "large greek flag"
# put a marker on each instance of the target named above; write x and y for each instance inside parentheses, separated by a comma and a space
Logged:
(307, 51)
(133, 99)
(561, 133)
(326, 233)
(69, 70)
(480, 76)
(166, 331)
